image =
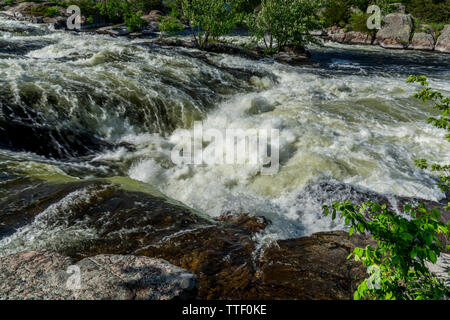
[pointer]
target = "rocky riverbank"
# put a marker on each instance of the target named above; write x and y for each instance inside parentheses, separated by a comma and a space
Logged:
(43, 275)
(117, 220)
(290, 55)
(398, 32)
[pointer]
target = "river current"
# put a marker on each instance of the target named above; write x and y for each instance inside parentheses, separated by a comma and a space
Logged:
(84, 106)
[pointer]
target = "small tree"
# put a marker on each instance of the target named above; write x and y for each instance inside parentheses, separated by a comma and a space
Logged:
(283, 22)
(210, 18)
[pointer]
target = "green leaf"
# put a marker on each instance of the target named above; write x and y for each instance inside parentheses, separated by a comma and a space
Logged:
(432, 256)
(350, 231)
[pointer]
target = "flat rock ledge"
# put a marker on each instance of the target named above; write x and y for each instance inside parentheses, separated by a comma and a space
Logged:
(45, 275)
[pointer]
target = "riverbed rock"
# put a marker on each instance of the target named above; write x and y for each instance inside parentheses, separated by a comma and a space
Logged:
(52, 276)
(423, 39)
(395, 34)
(443, 42)
(153, 16)
(398, 7)
(314, 267)
(119, 30)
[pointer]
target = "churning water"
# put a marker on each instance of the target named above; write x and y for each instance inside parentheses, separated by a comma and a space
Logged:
(88, 106)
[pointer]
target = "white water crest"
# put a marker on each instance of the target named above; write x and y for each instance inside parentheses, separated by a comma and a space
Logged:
(349, 118)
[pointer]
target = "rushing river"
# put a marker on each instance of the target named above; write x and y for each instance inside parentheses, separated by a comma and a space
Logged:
(86, 106)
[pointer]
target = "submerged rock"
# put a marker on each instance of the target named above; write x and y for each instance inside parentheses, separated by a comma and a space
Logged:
(443, 42)
(52, 276)
(395, 34)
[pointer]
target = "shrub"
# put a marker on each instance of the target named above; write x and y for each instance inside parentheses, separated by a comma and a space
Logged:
(285, 22)
(211, 18)
(87, 7)
(51, 11)
(170, 24)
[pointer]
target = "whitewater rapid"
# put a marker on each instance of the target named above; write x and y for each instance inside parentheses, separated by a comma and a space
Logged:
(349, 118)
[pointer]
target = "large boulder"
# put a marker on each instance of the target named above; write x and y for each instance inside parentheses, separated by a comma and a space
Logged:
(52, 276)
(314, 267)
(396, 32)
(423, 39)
(443, 42)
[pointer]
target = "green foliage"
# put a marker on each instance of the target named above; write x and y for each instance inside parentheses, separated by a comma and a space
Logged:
(51, 12)
(87, 7)
(284, 22)
(397, 264)
(90, 20)
(133, 20)
(437, 11)
(358, 22)
(9, 2)
(211, 18)
(442, 104)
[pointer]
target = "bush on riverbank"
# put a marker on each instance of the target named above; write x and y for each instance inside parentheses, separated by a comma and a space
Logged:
(285, 22)
(211, 18)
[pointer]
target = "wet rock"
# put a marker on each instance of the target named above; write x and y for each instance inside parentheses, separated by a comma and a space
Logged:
(116, 30)
(395, 34)
(314, 267)
(51, 276)
(443, 41)
(318, 33)
(423, 39)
